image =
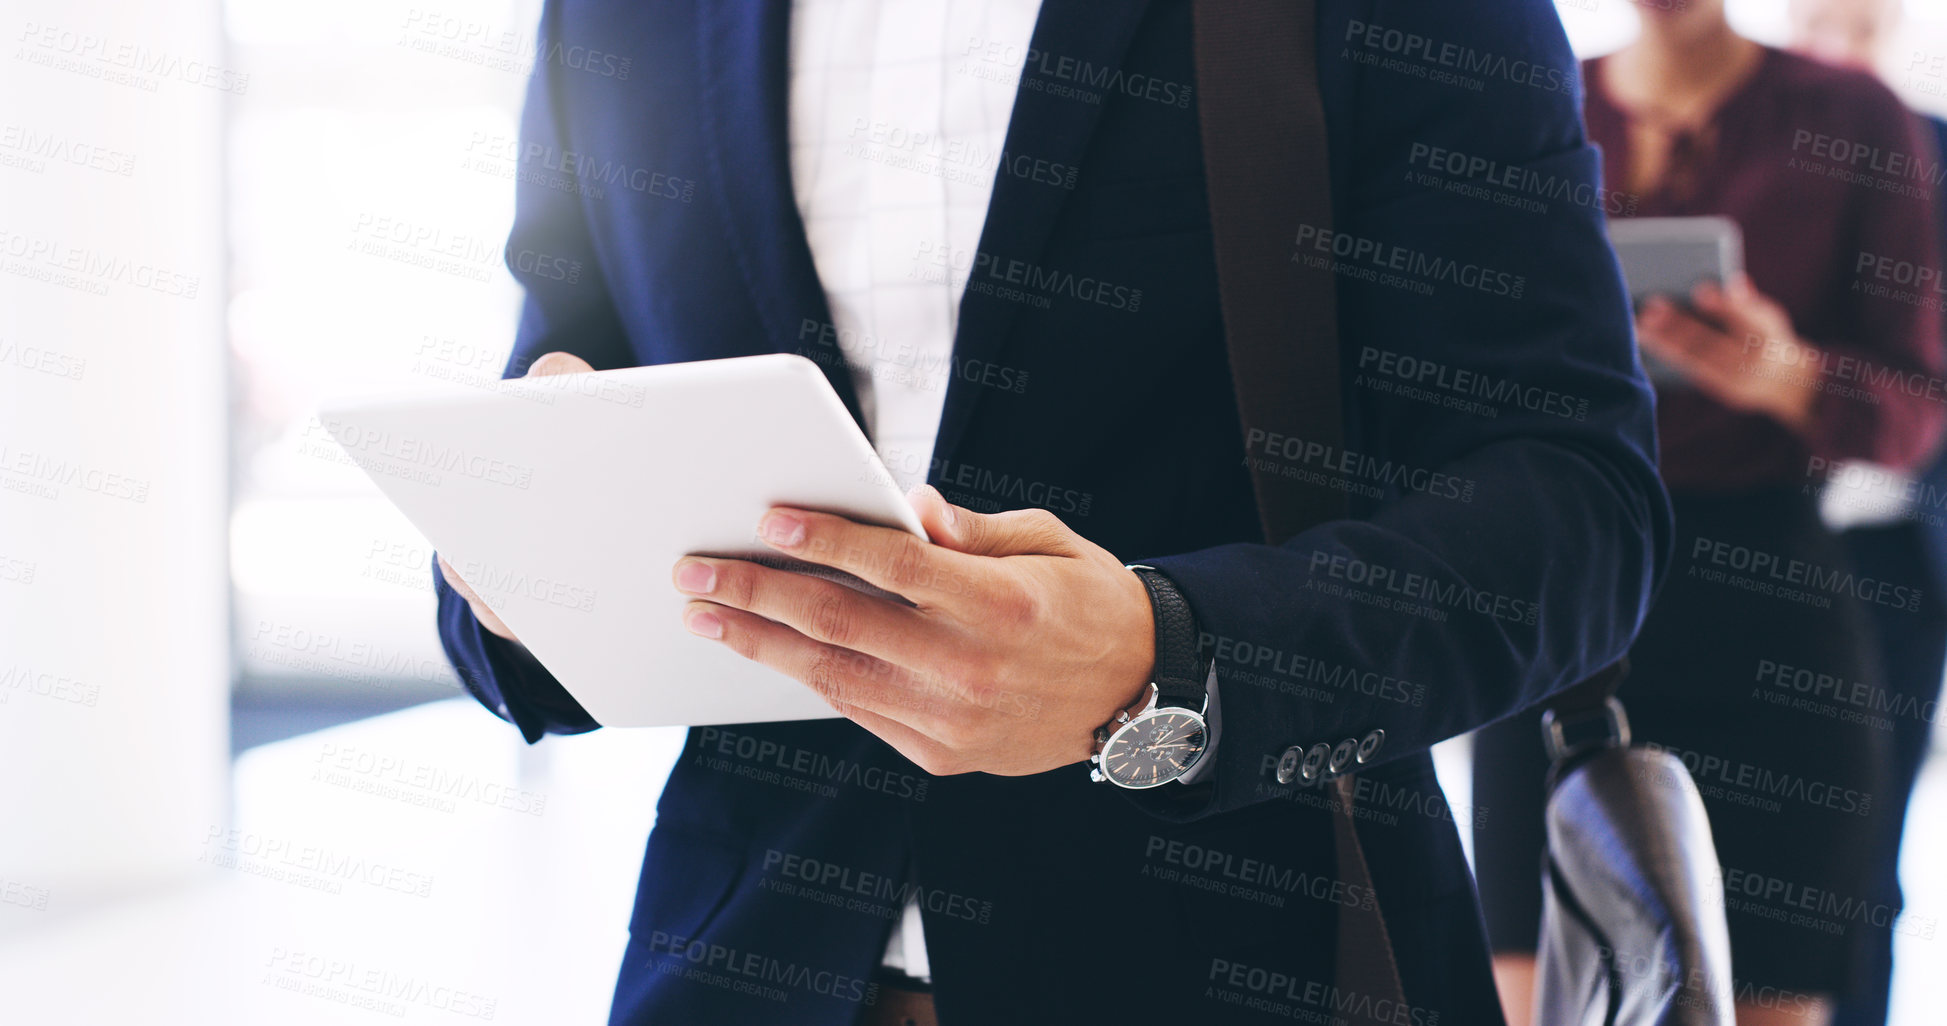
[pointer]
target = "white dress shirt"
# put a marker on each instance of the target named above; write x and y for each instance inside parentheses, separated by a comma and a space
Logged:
(896, 130)
(893, 152)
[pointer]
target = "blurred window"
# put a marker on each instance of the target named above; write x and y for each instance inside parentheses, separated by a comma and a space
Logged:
(370, 191)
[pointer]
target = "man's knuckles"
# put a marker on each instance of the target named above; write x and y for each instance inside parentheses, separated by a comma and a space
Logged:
(830, 616)
(904, 561)
(736, 583)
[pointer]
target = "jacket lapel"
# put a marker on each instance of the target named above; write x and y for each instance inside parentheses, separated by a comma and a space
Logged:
(745, 65)
(1072, 34)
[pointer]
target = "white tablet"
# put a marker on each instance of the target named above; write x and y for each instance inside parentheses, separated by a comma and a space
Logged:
(1669, 256)
(566, 500)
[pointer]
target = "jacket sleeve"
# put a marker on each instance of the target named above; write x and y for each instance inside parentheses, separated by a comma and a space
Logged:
(572, 314)
(1508, 526)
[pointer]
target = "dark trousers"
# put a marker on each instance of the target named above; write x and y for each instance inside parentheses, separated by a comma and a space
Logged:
(1913, 651)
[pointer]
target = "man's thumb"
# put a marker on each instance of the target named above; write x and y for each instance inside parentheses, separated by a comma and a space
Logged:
(550, 364)
(1013, 533)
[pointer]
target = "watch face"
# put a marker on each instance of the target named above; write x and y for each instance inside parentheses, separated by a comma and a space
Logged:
(1154, 748)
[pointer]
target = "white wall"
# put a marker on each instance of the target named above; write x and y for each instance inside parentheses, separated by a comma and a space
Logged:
(114, 666)
(1597, 27)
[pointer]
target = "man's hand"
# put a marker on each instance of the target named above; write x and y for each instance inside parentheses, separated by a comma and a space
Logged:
(1022, 638)
(547, 366)
(1727, 359)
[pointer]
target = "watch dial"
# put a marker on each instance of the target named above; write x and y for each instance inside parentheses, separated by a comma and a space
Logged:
(1155, 749)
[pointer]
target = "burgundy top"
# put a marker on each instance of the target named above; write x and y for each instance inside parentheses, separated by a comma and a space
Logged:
(1766, 160)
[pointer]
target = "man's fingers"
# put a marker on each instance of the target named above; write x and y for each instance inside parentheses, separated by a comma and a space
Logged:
(819, 609)
(846, 679)
(454, 581)
(487, 617)
(550, 364)
(1013, 533)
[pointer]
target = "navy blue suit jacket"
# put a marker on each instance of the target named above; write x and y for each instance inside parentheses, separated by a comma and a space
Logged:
(1509, 525)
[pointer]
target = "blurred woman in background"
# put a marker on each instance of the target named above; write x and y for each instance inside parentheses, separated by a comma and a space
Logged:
(1799, 363)
(1900, 528)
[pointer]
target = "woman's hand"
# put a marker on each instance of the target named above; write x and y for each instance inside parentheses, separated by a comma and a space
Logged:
(1754, 361)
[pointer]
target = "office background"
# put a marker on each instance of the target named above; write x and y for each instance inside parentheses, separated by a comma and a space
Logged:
(238, 782)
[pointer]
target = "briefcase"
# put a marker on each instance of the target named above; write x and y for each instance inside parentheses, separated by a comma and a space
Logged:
(1632, 921)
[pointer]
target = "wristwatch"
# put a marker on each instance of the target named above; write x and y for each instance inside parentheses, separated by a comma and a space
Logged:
(1162, 741)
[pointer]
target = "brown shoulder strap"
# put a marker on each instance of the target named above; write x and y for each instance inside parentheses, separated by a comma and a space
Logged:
(1268, 174)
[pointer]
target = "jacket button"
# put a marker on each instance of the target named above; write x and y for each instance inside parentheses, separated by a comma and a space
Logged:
(1343, 755)
(1314, 762)
(1370, 746)
(1288, 765)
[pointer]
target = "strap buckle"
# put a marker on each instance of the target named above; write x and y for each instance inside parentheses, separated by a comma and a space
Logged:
(1568, 734)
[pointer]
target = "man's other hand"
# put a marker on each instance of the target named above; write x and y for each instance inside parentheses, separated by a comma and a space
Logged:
(1021, 639)
(547, 366)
